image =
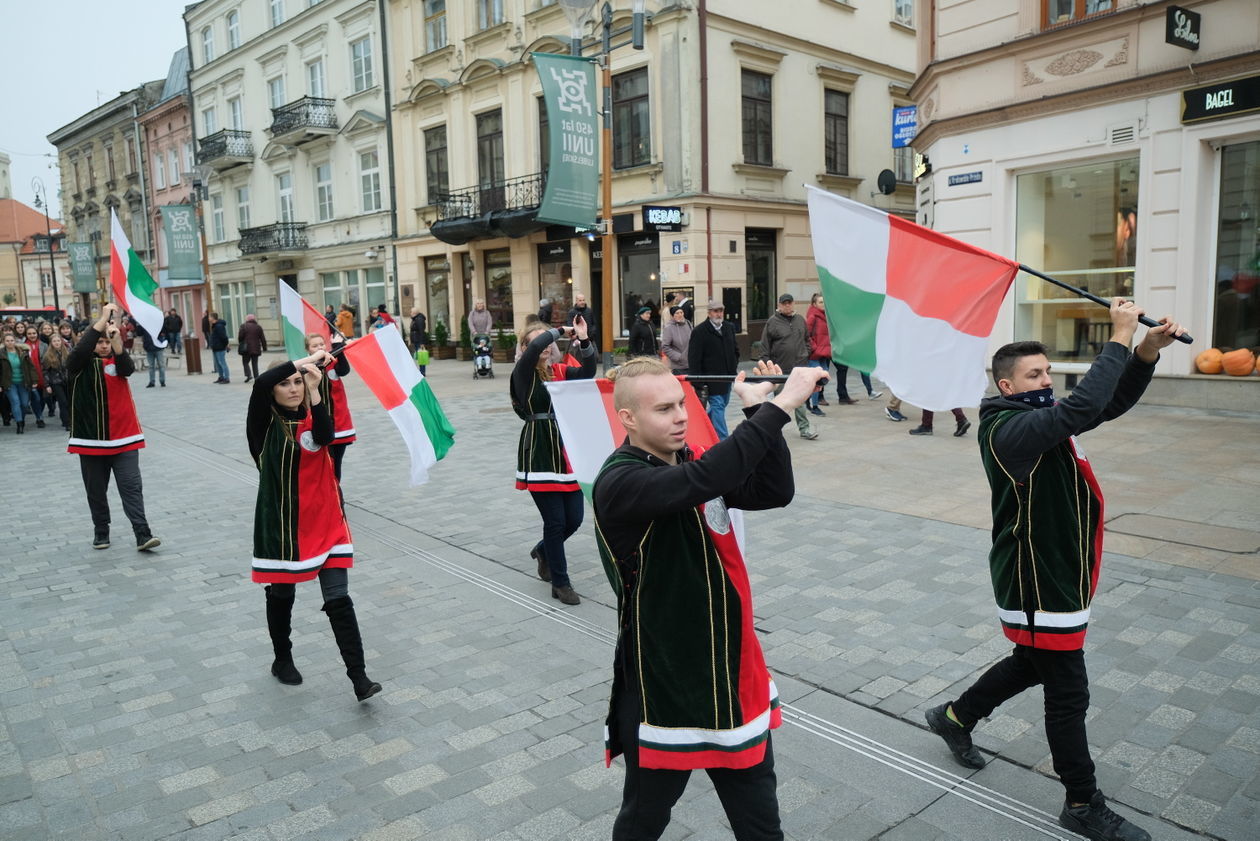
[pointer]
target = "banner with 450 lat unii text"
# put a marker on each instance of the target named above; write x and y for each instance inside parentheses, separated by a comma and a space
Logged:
(82, 266)
(570, 92)
(183, 245)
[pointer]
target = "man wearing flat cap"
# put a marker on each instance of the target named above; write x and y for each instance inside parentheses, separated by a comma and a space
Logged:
(786, 343)
(712, 350)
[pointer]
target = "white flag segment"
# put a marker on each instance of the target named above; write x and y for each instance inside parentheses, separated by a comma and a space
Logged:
(583, 410)
(132, 285)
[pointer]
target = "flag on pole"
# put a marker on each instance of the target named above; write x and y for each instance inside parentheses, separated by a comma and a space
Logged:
(383, 362)
(299, 319)
(132, 285)
(913, 306)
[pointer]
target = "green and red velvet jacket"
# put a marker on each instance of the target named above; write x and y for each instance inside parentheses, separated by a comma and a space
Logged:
(103, 419)
(1047, 505)
(687, 651)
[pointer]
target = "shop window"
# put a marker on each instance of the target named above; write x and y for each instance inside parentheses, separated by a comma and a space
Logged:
(498, 273)
(758, 120)
(639, 259)
(761, 260)
(1058, 12)
(437, 278)
(1078, 224)
(1236, 320)
(632, 140)
(555, 279)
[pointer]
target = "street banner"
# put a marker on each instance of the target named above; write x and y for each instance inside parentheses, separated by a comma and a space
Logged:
(570, 91)
(132, 285)
(909, 304)
(82, 266)
(183, 245)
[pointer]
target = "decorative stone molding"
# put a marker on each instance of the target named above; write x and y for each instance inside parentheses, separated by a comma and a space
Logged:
(759, 171)
(1121, 57)
(843, 184)
(758, 55)
(1031, 78)
(1078, 61)
(841, 78)
(1073, 62)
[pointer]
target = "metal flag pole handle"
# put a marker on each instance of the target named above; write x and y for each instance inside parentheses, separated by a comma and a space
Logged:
(1149, 322)
(730, 378)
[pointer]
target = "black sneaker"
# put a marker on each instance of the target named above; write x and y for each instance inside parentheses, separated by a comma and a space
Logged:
(39, 423)
(957, 738)
(101, 540)
(963, 426)
(921, 430)
(146, 542)
(894, 415)
(1096, 821)
(150, 385)
(814, 410)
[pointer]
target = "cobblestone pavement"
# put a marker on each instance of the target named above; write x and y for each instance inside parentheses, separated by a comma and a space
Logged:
(137, 702)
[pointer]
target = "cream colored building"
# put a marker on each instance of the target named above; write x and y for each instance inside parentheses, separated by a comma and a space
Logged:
(289, 114)
(467, 131)
(1071, 135)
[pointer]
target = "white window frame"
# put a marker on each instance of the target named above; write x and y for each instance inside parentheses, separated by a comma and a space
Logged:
(361, 70)
(173, 157)
(315, 74)
(273, 88)
(207, 44)
(489, 13)
(903, 12)
(323, 191)
(435, 37)
(189, 158)
(209, 121)
(370, 181)
(276, 11)
(159, 171)
(284, 197)
(216, 217)
(236, 113)
(233, 29)
(242, 208)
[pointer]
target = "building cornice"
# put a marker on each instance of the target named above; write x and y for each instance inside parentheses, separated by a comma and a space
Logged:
(1168, 81)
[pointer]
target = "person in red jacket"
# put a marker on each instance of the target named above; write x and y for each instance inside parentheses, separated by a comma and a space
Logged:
(820, 357)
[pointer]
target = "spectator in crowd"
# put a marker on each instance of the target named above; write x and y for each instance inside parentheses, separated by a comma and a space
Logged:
(17, 372)
(154, 356)
(105, 431)
(251, 342)
(35, 350)
(330, 315)
(66, 330)
(382, 315)
(56, 374)
(173, 327)
(345, 321)
(205, 328)
(683, 300)
(544, 310)
(675, 337)
(785, 343)
(642, 336)
(580, 308)
(419, 331)
(480, 319)
(219, 347)
(712, 350)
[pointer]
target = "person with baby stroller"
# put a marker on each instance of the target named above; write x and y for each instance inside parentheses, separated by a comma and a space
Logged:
(483, 356)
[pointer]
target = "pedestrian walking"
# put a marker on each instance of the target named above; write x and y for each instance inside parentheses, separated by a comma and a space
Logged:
(56, 363)
(925, 423)
(786, 343)
(332, 390)
(35, 388)
(17, 372)
(675, 338)
(173, 327)
(104, 429)
(712, 349)
(219, 347)
(1047, 551)
(418, 331)
(251, 342)
(154, 356)
(690, 685)
(541, 466)
(300, 529)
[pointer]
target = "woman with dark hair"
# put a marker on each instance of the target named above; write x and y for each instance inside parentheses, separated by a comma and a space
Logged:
(300, 529)
(57, 377)
(541, 466)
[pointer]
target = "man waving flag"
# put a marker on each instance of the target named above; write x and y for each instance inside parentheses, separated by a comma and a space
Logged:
(904, 302)
(131, 282)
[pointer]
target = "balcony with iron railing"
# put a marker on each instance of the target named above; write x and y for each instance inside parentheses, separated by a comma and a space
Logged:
(499, 208)
(225, 149)
(274, 239)
(306, 119)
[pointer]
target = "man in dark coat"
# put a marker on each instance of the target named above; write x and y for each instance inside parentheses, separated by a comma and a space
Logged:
(252, 343)
(419, 329)
(588, 315)
(218, 346)
(173, 327)
(786, 343)
(712, 350)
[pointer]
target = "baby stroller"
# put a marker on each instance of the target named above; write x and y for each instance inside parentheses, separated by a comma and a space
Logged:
(483, 357)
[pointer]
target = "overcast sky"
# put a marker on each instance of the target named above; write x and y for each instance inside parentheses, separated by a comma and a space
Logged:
(61, 58)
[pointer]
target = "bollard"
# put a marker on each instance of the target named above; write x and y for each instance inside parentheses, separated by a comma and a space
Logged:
(192, 354)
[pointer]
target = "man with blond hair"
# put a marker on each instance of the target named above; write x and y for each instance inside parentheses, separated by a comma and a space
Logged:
(683, 601)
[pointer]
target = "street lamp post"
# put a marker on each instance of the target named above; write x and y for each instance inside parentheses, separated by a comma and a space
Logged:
(37, 186)
(577, 12)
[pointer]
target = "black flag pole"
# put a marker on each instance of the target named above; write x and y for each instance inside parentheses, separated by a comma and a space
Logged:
(730, 378)
(1149, 322)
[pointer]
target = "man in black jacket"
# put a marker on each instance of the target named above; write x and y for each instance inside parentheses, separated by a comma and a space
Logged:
(713, 351)
(580, 308)
(786, 343)
(219, 346)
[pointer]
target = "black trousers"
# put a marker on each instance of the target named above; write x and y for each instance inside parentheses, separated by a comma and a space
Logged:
(748, 795)
(248, 362)
(1066, 686)
(561, 515)
(125, 467)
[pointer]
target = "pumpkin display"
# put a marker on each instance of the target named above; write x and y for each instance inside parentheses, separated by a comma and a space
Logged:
(1238, 363)
(1209, 361)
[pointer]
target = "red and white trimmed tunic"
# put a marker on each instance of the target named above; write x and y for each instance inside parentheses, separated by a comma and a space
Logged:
(103, 419)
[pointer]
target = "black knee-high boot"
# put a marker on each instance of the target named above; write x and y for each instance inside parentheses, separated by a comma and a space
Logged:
(279, 625)
(345, 628)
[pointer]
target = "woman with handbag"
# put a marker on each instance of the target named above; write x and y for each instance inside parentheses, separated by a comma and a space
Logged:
(300, 529)
(541, 466)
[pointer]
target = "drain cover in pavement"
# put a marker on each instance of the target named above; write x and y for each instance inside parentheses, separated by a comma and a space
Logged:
(1203, 535)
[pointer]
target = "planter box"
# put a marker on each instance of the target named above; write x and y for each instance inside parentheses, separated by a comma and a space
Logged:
(443, 352)
(464, 354)
(503, 355)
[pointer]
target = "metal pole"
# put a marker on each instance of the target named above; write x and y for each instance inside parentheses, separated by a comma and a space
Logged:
(52, 245)
(606, 283)
(1149, 322)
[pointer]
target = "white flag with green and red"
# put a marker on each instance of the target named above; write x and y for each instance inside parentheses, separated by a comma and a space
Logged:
(913, 306)
(132, 285)
(299, 319)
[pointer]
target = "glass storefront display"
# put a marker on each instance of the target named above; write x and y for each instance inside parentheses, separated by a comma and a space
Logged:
(437, 278)
(1078, 224)
(761, 259)
(639, 260)
(1236, 312)
(555, 278)
(498, 268)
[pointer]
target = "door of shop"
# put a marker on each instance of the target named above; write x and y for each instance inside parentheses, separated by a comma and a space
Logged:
(761, 259)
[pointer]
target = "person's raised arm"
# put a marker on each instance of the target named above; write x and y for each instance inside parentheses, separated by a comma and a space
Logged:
(585, 353)
(261, 400)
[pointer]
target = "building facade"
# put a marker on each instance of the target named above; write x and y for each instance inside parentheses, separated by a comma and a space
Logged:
(1110, 143)
(27, 272)
(102, 161)
(288, 101)
(723, 116)
(169, 148)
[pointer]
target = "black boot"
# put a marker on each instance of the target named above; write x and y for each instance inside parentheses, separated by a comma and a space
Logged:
(346, 629)
(21, 427)
(279, 625)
